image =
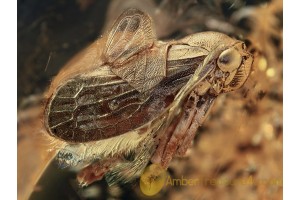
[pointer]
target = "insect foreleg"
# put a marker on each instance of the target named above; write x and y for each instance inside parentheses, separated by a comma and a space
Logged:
(184, 123)
(156, 158)
(198, 120)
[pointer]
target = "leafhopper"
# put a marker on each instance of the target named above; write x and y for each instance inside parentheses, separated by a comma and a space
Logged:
(131, 99)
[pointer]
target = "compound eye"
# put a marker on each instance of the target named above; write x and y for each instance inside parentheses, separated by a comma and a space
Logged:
(229, 60)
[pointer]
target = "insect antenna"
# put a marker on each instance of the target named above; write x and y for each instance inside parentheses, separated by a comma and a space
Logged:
(48, 61)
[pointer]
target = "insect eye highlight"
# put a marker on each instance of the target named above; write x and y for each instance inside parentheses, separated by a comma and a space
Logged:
(229, 60)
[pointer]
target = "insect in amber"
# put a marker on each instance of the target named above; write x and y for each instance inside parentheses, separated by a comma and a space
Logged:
(130, 99)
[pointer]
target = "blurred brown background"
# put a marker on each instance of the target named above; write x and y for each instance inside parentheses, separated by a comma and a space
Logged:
(241, 139)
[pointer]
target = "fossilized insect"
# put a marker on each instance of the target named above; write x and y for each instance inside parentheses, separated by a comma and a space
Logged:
(130, 98)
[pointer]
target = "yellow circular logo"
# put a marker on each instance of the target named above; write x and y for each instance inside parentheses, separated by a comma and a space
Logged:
(153, 179)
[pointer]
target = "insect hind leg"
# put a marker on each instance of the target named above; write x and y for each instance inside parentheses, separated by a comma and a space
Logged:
(96, 171)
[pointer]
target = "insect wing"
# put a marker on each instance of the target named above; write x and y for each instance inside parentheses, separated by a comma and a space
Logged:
(131, 33)
(131, 52)
(95, 108)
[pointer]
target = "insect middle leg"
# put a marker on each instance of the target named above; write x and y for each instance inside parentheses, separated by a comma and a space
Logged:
(156, 157)
(169, 142)
(198, 120)
(196, 110)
